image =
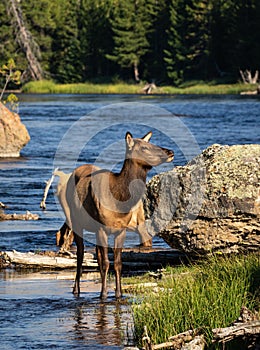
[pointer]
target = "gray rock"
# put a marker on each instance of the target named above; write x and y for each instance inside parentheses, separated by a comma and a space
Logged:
(13, 133)
(210, 204)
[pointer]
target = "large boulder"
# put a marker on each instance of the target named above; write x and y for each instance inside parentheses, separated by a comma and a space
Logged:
(210, 204)
(13, 133)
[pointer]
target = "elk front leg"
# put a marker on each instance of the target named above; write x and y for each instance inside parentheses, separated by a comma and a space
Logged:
(102, 258)
(119, 242)
(80, 255)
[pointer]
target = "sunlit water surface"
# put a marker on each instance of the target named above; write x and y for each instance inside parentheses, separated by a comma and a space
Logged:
(37, 310)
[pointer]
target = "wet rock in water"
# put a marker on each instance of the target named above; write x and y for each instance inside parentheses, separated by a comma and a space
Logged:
(210, 204)
(13, 133)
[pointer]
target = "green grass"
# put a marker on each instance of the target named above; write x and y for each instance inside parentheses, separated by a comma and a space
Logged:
(207, 296)
(50, 87)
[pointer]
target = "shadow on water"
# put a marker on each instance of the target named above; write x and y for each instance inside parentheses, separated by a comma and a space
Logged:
(38, 311)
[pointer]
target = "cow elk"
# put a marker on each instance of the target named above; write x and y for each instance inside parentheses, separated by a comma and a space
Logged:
(107, 203)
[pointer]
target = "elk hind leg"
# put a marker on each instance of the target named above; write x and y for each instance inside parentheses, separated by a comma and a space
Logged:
(144, 236)
(80, 255)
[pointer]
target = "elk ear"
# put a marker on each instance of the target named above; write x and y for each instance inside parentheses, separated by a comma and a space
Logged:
(147, 136)
(129, 140)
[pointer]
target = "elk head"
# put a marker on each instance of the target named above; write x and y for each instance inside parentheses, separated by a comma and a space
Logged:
(144, 153)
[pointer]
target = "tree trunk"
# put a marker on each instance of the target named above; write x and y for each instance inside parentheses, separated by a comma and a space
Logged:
(136, 72)
(25, 40)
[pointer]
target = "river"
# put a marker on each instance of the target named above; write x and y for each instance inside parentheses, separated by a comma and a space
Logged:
(37, 309)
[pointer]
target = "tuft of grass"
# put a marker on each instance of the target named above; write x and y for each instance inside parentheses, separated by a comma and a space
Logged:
(207, 295)
(50, 87)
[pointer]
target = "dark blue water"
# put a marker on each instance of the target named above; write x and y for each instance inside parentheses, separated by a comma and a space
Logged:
(70, 130)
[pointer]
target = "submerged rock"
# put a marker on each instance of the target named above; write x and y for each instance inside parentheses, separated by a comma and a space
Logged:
(210, 204)
(13, 133)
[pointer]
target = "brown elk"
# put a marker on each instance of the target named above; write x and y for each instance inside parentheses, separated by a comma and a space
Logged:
(65, 235)
(106, 203)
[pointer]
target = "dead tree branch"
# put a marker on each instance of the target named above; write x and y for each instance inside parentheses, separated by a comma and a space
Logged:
(25, 39)
(248, 78)
(46, 190)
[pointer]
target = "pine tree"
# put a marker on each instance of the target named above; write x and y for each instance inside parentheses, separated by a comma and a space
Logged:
(154, 67)
(189, 40)
(95, 36)
(131, 25)
(199, 38)
(66, 66)
(175, 52)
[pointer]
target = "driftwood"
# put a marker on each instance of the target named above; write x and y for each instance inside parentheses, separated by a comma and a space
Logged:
(248, 78)
(142, 258)
(227, 334)
(189, 340)
(254, 92)
(67, 259)
(247, 326)
(27, 216)
(147, 89)
(46, 261)
(46, 190)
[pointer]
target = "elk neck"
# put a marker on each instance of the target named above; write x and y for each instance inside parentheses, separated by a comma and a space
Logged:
(122, 181)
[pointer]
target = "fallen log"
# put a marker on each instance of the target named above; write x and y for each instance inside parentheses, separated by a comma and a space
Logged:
(227, 334)
(27, 216)
(247, 326)
(149, 258)
(134, 259)
(30, 260)
(189, 340)
(250, 92)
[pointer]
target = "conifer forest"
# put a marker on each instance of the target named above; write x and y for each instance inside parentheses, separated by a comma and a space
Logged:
(161, 41)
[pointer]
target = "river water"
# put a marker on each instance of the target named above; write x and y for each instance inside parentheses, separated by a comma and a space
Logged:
(37, 309)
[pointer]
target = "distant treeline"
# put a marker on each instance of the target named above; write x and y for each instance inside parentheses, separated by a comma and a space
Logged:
(165, 41)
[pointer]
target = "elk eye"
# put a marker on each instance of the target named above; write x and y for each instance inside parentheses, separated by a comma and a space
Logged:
(144, 148)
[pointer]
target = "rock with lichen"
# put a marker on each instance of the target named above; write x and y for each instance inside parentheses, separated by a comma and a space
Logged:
(210, 204)
(13, 133)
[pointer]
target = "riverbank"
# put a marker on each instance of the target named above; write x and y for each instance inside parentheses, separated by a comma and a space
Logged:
(199, 296)
(202, 296)
(49, 87)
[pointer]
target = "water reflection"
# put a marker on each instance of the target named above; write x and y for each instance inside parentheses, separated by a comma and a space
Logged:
(43, 302)
(103, 323)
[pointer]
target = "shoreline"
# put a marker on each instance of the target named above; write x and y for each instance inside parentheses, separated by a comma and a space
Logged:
(88, 88)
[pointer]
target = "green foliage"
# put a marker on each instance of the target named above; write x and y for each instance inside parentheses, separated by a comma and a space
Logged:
(95, 35)
(11, 75)
(169, 41)
(131, 25)
(175, 53)
(12, 102)
(208, 295)
(66, 66)
(7, 42)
